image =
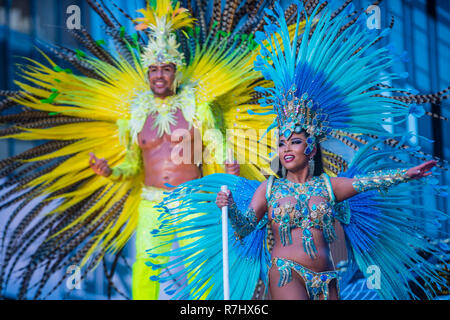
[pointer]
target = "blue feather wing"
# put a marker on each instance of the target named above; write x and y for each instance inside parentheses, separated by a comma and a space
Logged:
(196, 221)
(387, 235)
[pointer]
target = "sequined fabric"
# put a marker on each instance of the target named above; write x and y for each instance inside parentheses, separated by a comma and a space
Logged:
(242, 223)
(316, 282)
(301, 214)
(380, 180)
(150, 193)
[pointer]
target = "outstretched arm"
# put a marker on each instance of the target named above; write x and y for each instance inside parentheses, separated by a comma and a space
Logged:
(345, 188)
(245, 222)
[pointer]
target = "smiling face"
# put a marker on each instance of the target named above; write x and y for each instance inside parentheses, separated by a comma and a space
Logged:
(292, 152)
(161, 78)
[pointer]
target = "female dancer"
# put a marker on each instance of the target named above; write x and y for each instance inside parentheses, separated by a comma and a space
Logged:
(294, 204)
(324, 86)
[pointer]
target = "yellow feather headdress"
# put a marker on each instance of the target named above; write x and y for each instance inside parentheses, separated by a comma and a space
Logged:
(162, 20)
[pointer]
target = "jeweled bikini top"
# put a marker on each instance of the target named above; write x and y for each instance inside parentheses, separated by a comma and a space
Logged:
(300, 214)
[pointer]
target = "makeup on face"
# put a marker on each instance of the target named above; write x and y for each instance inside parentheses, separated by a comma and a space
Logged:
(291, 151)
(161, 78)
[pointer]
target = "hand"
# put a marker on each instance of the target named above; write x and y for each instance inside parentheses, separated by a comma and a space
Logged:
(100, 166)
(422, 170)
(224, 199)
(233, 168)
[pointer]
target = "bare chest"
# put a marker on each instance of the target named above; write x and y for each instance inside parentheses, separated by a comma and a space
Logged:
(180, 130)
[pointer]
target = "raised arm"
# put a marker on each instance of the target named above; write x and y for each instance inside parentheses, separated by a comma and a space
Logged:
(345, 188)
(245, 222)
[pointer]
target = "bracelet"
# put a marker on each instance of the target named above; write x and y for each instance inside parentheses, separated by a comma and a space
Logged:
(242, 223)
(380, 180)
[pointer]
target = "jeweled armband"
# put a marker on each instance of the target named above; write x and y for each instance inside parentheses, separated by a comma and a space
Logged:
(242, 223)
(380, 180)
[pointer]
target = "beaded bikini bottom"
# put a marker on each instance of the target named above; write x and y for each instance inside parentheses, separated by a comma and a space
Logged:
(316, 282)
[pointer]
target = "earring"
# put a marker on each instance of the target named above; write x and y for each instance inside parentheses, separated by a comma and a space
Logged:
(283, 172)
(311, 165)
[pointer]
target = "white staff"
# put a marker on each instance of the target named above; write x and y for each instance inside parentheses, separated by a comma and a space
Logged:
(225, 257)
(226, 279)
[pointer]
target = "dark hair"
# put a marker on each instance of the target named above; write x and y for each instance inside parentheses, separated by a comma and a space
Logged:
(318, 164)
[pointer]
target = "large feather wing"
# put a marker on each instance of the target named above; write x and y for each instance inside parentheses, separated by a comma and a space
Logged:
(387, 233)
(74, 115)
(195, 219)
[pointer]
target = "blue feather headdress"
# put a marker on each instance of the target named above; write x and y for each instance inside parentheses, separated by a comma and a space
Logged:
(324, 79)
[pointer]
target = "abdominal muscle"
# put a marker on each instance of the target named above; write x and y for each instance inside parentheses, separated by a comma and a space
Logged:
(157, 154)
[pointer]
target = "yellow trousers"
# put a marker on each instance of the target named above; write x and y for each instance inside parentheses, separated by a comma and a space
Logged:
(143, 287)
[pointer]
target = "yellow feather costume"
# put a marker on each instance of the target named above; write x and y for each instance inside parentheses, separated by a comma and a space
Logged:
(78, 114)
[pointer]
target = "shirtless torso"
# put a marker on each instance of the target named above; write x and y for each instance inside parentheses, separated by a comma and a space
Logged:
(157, 154)
(158, 151)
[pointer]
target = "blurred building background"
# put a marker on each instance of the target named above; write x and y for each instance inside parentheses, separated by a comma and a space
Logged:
(421, 29)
